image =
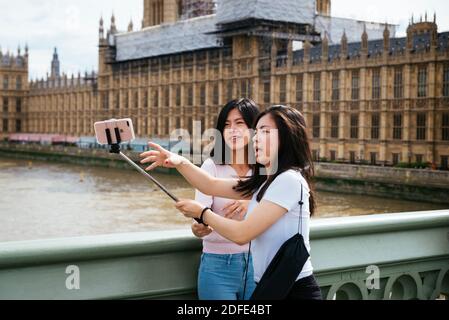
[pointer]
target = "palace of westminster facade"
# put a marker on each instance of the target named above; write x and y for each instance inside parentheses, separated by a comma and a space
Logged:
(381, 101)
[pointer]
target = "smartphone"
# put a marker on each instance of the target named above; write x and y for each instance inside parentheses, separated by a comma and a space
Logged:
(114, 131)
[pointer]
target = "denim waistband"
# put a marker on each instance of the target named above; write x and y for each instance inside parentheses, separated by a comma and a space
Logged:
(226, 257)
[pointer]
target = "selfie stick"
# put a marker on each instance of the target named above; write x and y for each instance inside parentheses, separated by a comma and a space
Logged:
(115, 148)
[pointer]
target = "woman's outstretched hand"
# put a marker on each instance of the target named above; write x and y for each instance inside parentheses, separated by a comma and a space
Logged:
(160, 157)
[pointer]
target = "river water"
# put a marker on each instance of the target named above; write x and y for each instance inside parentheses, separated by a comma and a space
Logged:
(42, 200)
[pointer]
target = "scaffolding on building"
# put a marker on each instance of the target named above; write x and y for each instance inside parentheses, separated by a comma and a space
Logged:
(198, 8)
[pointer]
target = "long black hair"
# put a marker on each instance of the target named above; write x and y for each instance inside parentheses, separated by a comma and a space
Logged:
(294, 153)
(249, 111)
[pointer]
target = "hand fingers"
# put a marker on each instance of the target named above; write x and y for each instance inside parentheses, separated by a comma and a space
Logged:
(237, 212)
(152, 167)
(149, 153)
(232, 208)
(229, 205)
(200, 227)
(149, 159)
(155, 146)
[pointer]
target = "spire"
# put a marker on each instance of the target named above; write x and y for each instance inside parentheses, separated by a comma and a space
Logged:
(364, 41)
(386, 39)
(55, 65)
(344, 45)
(113, 26)
(101, 29)
(325, 48)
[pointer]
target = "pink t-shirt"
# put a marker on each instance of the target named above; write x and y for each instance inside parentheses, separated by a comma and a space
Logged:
(215, 243)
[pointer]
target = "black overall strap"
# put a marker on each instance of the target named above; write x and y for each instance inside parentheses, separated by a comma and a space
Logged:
(301, 204)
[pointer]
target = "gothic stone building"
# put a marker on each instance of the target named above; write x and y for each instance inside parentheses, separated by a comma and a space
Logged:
(13, 90)
(368, 96)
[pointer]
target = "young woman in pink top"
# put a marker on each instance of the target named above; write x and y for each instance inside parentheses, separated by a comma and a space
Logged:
(223, 263)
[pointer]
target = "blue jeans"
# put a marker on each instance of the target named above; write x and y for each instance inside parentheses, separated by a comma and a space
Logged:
(222, 277)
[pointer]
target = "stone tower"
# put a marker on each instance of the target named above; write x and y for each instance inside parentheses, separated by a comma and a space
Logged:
(323, 7)
(161, 11)
(55, 65)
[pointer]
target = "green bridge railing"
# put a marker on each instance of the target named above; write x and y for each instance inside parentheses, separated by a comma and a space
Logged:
(393, 256)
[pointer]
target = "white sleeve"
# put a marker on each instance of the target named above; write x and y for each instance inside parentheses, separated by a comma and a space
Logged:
(209, 167)
(285, 190)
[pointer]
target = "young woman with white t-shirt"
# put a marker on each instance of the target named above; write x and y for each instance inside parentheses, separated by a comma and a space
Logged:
(224, 263)
(284, 167)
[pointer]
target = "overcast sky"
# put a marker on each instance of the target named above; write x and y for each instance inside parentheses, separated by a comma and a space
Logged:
(72, 25)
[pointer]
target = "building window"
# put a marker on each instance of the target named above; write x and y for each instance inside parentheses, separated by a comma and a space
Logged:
(422, 82)
(445, 127)
(216, 94)
(446, 81)
(445, 162)
(335, 86)
(229, 89)
(299, 88)
(354, 126)
(333, 155)
(373, 157)
(5, 104)
(335, 119)
(283, 90)
(126, 99)
(266, 91)
(136, 100)
(105, 101)
(315, 155)
(421, 122)
(117, 100)
(396, 159)
(317, 87)
(316, 125)
(419, 158)
(178, 96)
(156, 98)
(375, 126)
(397, 126)
(376, 91)
(190, 95)
(352, 157)
(5, 125)
(166, 102)
(203, 95)
(245, 88)
(19, 83)
(18, 125)
(398, 83)
(5, 82)
(145, 99)
(18, 105)
(355, 88)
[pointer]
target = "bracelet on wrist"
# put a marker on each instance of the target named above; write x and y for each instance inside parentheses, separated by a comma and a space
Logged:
(202, 216)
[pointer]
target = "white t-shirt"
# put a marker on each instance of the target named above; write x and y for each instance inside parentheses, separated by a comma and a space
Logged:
(284, 191)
